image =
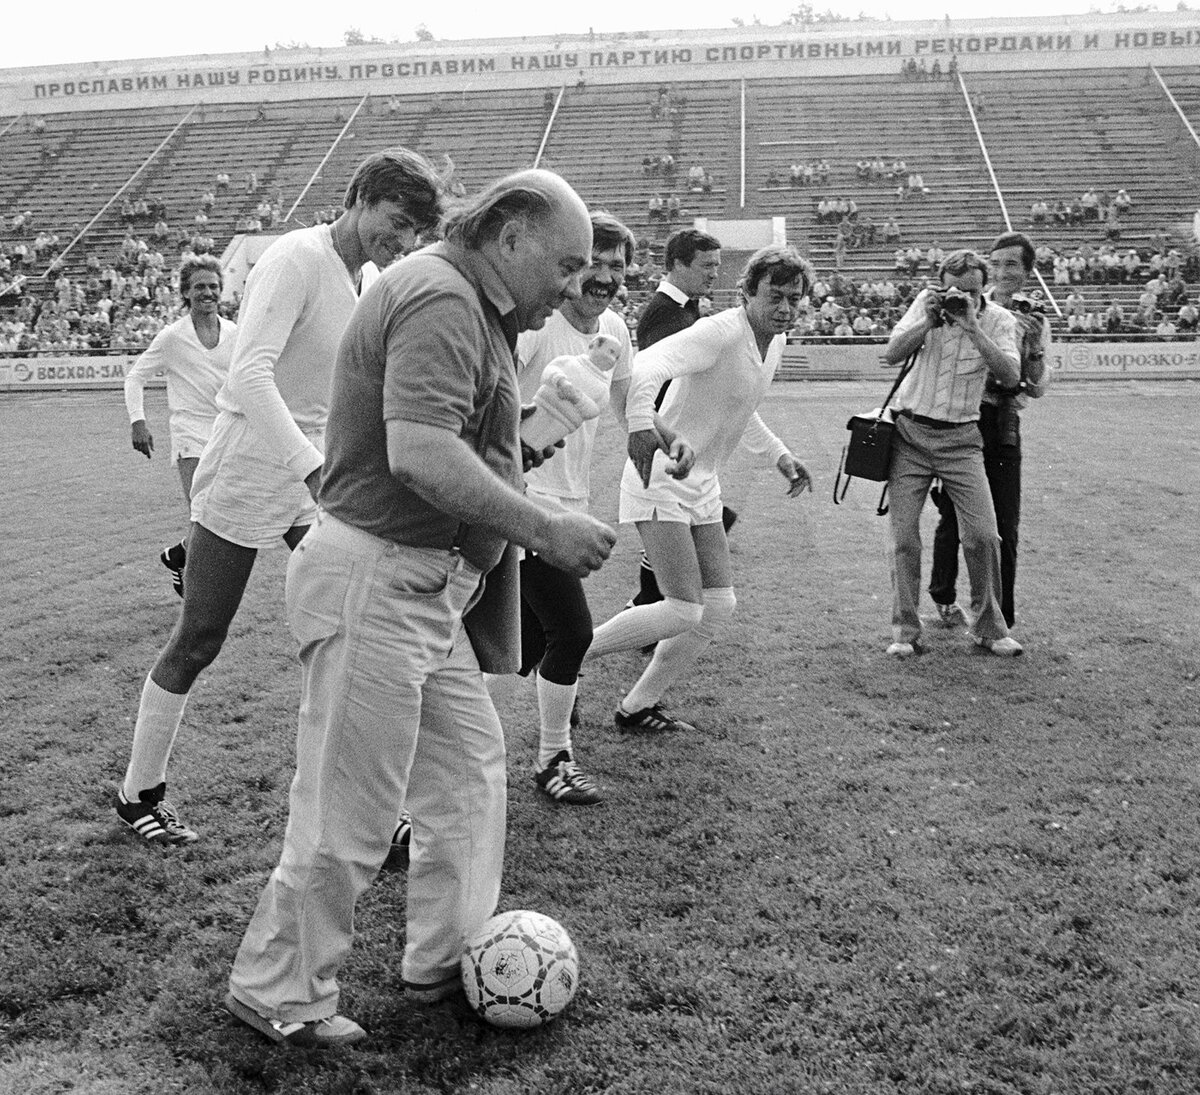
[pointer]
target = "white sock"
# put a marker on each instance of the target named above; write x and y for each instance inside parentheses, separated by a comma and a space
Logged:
(675, 656)
(554, 706)
(637, 627)
(159, 716)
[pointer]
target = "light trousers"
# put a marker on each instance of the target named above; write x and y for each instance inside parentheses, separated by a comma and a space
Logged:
(393, 711)
(921, 454)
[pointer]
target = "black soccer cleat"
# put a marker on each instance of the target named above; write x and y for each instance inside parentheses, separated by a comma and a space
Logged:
(174, 559)
(651, 720)
(153, 818)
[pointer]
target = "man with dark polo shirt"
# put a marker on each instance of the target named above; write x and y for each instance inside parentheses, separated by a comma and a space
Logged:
(420, 503)
(692, 260)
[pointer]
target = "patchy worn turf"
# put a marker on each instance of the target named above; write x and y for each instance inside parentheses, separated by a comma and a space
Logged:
(953, 874)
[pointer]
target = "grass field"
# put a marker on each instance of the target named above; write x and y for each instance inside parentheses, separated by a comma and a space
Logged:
(953, 874)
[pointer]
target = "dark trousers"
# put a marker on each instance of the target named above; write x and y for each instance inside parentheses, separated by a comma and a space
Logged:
(556, 623)
(1002, 464)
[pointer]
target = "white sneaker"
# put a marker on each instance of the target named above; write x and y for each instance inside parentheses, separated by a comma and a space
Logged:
(901, 650)
(1008, 647)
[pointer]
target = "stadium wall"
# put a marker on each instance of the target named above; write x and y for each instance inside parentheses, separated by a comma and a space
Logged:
(802, 361)
(1127, 40)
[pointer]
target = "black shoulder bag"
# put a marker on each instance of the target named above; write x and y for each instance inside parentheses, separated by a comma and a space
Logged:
(868, 454)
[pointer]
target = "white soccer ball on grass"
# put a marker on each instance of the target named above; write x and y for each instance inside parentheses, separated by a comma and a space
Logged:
(520, 969)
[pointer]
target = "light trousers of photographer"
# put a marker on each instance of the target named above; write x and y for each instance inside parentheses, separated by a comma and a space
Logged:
(921, 454)
(393, 711)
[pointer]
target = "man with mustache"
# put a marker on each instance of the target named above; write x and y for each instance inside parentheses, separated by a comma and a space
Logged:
(556, 624)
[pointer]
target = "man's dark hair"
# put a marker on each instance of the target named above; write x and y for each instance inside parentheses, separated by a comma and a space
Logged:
(779, 264)
(608, 232)
(400, 175)
(1017, 239)
(683, 245)
(193, 267)
(523, 197)
(962, 262)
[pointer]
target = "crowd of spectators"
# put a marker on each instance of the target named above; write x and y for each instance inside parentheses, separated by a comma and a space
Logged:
(114, 305)
(1096, 206)
(916, 71)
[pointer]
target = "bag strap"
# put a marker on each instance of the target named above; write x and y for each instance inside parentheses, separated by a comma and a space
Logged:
(908, 364)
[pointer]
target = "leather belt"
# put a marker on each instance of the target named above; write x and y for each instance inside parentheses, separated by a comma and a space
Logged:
(932, 423)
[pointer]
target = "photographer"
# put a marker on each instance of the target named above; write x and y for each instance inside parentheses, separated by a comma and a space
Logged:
(1011, 262)
(960, 341)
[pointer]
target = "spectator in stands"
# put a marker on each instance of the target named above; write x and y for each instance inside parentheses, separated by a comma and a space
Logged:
(1164, 328)
(772, 179)
(1038, 212)
(822, 171)
(223, 180)
(1188, 317)
(1175, 292)
(1147, 306)
(952, 68)
(1122, 202)
(1114, 318)
(654, 206)
(863, 324)
(251, 182)
(1062, 270)
(935, 70)
(696, 178)
(1112, 223)
(891, 230)
(1090, 203)
(207, 200)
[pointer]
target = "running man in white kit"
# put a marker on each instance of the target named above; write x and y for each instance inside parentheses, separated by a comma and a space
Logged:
(194, 354)
(723, 365)
(258, 477)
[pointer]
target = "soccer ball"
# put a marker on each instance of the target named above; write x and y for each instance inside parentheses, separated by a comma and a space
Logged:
(520, 969)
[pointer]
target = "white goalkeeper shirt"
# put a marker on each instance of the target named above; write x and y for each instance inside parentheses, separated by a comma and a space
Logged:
(194, 374)
(719, 379)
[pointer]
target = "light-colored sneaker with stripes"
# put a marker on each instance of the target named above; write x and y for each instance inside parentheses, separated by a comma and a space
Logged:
(153, 818)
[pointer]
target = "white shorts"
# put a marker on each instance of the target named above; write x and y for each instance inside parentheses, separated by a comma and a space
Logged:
(243, 493)
(695, 500)
(185, 446)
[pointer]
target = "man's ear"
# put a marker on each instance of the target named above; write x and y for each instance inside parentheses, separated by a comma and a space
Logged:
(509, 237)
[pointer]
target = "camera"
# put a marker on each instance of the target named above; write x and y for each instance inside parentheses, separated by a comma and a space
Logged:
(951, 304)
(1027, 306)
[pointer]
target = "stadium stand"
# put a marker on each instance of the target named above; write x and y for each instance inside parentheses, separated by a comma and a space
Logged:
(1046, 138)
